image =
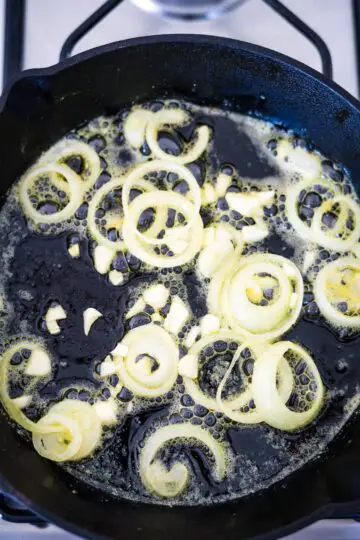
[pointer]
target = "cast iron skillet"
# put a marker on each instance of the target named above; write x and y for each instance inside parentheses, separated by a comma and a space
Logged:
(38, 109)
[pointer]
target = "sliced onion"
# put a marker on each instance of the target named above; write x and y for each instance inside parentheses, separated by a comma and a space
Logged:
(150, 366)
(328, 284)
(135, 180)
(192, 386)
(70, 147)
(78, 431)
(170, 483)
(330, 238)
(191, 244)
(252, 416)
(175, 117)
(75, 193)
(11, 408)
(229, 296)
(269, 403)
(96, 201)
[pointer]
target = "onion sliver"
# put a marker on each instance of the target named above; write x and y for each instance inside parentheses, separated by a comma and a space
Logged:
(175, 117)
(192, 387)
(170, 483)
(269, 403)
(75, 193)
(135, 179)
(78, 431)
(70, 147)
(138, 247)
(13, 411)
(330, 239)
(252, 416)
(150, 366)
(229, 296)
(322, 288)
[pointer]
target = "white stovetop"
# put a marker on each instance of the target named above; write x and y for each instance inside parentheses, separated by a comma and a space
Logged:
(49, 22)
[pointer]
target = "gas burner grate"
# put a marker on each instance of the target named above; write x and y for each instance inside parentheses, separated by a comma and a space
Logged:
(15, 32)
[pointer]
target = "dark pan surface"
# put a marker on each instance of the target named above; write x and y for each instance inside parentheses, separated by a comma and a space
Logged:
(38, 109)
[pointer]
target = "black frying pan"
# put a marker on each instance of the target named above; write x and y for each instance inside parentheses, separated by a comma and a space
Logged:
(38, 109)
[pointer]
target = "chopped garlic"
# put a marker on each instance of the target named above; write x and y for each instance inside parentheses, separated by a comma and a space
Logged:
(102, 258)
(212, 257)
(22, 402)
(209, 235)
(254, 233)
(135, 127)
(107, 367)
(156, 296)
(249, 204)
(116, 277)
(208, 194)
(254, 293)
(222, 183)
(106, 411)
(309, 259)
(90, 316)
(191, 337)
(145, 365)
(39, 364)
(53, 315)
(298, 159)
(177, 316)
(120, 350)
(223, 234)
(74, 251)
(137, 307)
(130, 408)
(188, 366)
(209, 323)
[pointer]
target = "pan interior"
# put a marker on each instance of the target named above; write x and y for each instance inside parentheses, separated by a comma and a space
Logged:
(39, 271)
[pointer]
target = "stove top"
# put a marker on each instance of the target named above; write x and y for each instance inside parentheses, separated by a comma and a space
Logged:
(323, 34)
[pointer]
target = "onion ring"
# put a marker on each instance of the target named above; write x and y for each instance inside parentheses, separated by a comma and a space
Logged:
(192, 242)
(268, 401)
(230, 299)
(175, 117)
(73, 418)
(326, 285)
(152, 345)
(170, 483)
(70, 147)
(75, 193)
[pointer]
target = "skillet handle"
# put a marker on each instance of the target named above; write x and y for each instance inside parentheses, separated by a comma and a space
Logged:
(14, 512)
